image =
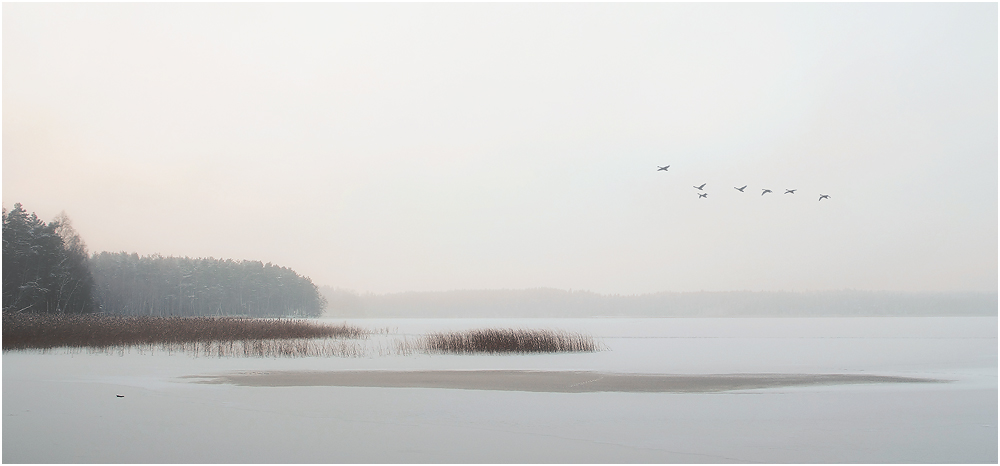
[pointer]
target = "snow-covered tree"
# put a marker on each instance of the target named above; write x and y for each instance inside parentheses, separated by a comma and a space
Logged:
(44, 265)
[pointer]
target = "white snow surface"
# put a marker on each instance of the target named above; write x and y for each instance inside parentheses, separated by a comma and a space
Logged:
(62, 406)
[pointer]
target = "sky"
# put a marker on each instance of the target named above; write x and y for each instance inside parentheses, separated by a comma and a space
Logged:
(423, 147)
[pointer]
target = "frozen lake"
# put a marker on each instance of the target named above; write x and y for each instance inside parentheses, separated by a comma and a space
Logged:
(62, 406)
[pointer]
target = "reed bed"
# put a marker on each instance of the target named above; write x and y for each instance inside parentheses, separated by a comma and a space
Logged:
(262, 338)
(43, 331)
(501, 340)
(296, 348)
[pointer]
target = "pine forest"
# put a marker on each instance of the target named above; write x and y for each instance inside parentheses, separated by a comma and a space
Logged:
(46, 269)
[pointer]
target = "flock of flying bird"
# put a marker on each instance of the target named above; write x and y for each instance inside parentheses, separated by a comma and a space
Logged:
(702, 195)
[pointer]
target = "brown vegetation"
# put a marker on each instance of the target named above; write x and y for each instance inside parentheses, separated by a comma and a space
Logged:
(509, 341)
(294, 348)
(42, 331)
(255, 337)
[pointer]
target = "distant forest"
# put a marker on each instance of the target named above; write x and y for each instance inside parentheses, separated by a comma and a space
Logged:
(46, 269)
(180, 286)
(548, 302)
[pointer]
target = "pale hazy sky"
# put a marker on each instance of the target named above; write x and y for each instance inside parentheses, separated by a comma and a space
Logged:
(416, 147)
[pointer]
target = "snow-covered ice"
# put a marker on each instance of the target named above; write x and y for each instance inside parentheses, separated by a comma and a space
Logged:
(62, 406)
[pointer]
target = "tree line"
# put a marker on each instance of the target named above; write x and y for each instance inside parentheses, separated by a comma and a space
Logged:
(181, 286)
(46, 269)
(549, 302)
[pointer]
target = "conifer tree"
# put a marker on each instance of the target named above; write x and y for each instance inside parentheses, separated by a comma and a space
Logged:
(45, 265)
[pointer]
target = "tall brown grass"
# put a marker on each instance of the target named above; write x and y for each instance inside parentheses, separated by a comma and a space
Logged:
(42, 331)
(255, 337)
(295, 348)
(509, 341)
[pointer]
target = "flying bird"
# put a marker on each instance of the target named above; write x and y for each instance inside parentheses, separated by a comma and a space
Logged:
(823, 196)
(662, 168)
(740, 189)
(699, 187)
(765, 192)
(790, 191)
(701, 195)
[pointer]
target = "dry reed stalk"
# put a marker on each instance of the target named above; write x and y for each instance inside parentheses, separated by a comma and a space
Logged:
(509, 341)
(40, 331)
(245, 349)
(262, 338)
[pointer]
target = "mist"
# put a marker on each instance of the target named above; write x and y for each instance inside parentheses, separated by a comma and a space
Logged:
(500, 233)
(429, 147)
(549, 303)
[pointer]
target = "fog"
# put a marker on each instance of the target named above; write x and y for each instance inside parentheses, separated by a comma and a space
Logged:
(429, 147)
(547, 302)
